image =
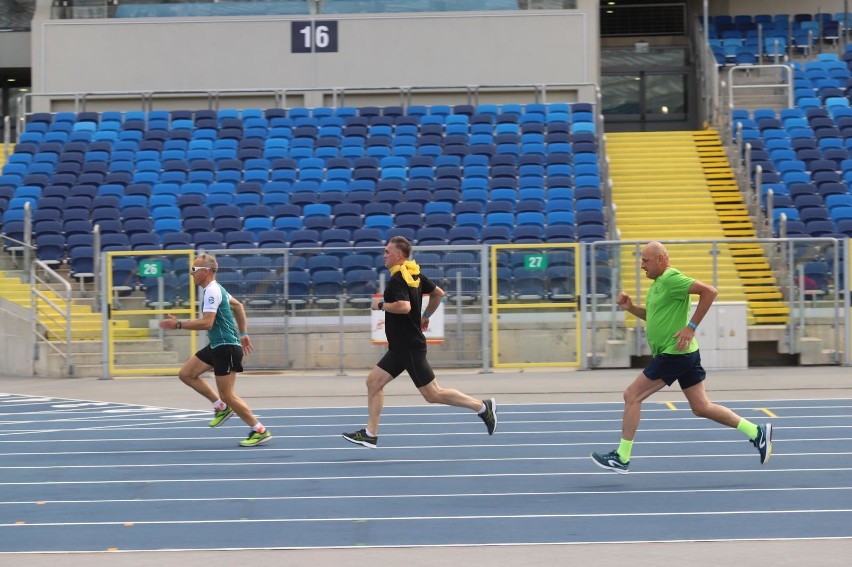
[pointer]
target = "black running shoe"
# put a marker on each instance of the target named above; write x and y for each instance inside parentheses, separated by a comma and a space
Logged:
(360, 437)
(489, 416)
(763, 442)
(611, 462)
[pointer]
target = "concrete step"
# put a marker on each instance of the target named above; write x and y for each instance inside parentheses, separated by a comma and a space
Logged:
(137, 359)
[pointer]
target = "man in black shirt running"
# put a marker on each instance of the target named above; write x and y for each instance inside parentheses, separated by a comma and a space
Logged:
(404, 326)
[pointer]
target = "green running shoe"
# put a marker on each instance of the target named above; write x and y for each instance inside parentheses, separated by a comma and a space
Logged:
(254, 439)
(221, 416)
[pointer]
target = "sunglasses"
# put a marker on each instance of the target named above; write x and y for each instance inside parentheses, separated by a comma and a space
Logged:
(196, 268)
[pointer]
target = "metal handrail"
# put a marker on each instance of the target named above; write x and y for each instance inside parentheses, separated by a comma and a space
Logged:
(338, 94)
(841, 300)
(788, 83)
(58, 313)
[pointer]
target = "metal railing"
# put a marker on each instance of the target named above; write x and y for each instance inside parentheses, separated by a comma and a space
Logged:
(787, 256)
(51, 298)
(145, 100)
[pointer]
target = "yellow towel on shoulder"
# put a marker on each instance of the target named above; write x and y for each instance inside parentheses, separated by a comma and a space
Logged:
(409, 269)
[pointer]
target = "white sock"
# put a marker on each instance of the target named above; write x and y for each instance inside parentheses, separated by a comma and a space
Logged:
(258, 427)
(482, 409)
(368, 432)
(219, 405)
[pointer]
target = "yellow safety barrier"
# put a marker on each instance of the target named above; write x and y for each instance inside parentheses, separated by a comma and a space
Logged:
(545, 311)
(158, 353)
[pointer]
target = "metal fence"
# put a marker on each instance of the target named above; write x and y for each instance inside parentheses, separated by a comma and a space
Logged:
(308, 308)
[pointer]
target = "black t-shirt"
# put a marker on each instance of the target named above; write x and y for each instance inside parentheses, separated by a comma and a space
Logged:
(403, 331)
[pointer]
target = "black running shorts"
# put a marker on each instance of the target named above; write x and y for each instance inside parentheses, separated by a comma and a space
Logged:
(685, 368)
(413, 361)
(224, 359)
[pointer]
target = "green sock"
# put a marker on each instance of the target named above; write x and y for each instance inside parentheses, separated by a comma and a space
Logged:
(748, 428)
(624, 449)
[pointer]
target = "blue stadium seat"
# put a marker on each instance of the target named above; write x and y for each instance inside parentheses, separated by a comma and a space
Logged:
(328, 288)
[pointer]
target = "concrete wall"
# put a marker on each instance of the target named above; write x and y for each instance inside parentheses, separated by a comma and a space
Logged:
(15, 50)
(16, 348)
(375, 50)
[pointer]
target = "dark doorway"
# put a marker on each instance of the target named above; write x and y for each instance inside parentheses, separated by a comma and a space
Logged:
(646, 89)
(13, 83)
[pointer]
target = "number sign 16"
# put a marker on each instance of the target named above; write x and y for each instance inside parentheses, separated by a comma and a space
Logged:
(314, 37)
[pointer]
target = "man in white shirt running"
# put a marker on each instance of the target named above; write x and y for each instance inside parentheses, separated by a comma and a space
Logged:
(224, 319)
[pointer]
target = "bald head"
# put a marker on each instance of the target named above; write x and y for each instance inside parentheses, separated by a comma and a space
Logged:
(657, 249)
(655, 259)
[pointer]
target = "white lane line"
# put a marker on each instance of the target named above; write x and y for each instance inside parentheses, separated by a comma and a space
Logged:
(268, 449)
(737, 403)
(75, 400)
(98, 428)
(434, 518)
(412, 476)
(31, 425)
(782, 421)
(478, 432)
(26, 401)
(423, 546)
(103, 417)
(439, 495)
(502, 459)
(507, 410)
(435, 419)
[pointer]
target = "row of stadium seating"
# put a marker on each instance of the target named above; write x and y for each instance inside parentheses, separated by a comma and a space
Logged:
(229, 179)
(531, 176)
(805, 161)
(321, 115)
(746, 39)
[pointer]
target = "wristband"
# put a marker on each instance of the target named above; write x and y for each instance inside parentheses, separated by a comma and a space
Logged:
(243, 335)
(426, 315)
(178, 325)
(693, 325)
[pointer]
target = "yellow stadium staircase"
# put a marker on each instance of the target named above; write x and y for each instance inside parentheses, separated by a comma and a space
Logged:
(85, 323)
(3, 153)
(680, 186)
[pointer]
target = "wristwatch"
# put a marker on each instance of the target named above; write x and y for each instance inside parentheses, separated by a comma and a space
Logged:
(381, 305)
(178, 325)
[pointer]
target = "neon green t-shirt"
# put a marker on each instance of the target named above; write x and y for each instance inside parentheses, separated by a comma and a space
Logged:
(667, 312)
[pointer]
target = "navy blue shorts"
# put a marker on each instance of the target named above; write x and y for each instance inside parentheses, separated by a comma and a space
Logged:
(413, 361)
(224, 359)
(685, 368)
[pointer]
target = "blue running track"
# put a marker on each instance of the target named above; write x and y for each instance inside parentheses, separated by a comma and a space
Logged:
(96, 476)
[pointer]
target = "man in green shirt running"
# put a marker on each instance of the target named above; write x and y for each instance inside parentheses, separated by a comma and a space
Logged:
(671, 336)
(224, 319)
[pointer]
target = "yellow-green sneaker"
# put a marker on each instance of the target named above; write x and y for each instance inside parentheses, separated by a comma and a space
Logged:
(254, 439)
(221, 416)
